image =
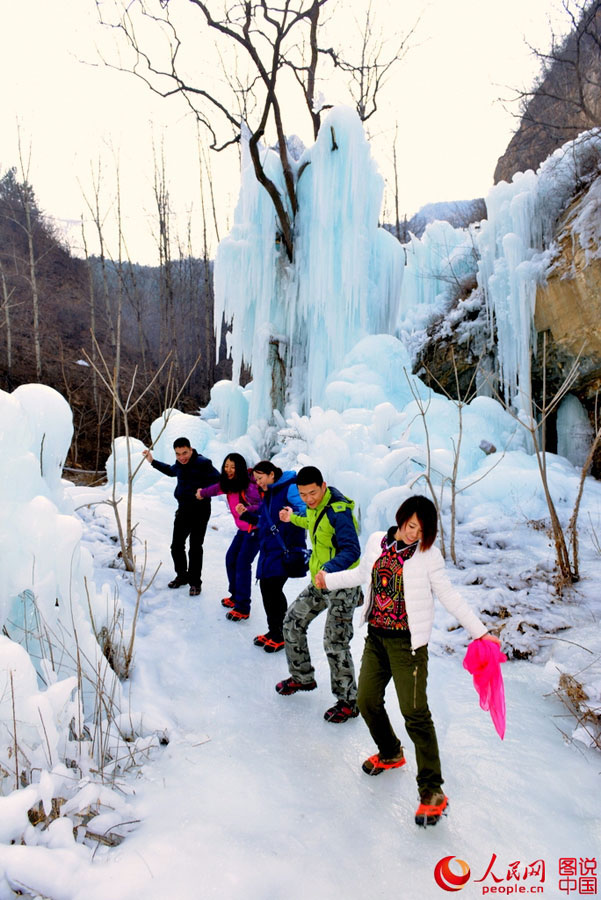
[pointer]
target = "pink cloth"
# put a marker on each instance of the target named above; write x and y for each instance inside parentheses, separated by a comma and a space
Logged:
(483, 660)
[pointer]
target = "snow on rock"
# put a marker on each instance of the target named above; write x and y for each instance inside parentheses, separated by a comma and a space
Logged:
(230, 403)
(458, 213)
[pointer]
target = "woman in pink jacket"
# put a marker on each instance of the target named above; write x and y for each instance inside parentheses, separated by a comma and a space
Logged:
(238, 484)
(403, 571)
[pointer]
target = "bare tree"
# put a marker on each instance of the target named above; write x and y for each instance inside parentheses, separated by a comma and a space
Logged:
(369, 73)
(125, 400)
(573, 523)
(430, 473)
(168, 339)
(99, 213)
(565, 99)
(27, 240)
(460, 401)
(6, 306)
(272, 39)
(534, 420)
(570, 71)
(25, 162)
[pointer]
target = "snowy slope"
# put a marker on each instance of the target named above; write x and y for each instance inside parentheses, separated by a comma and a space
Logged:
(256, 797)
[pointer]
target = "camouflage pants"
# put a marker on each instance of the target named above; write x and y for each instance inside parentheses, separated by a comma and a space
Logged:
(337, 636)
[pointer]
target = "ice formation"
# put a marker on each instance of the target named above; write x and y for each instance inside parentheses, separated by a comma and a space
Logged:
(514, 248)
(574, 430)
(171, 425)
(295, 322)
(437, 265)
(46, 591)
(322, 332)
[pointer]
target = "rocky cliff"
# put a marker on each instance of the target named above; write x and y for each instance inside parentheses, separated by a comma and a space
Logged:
(565, 101)
(568, 306)
(568, 314)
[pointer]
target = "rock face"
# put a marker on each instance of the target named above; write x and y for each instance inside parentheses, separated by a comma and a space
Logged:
(569, 307)
(566, 101)
(534, 141)
(568, 311)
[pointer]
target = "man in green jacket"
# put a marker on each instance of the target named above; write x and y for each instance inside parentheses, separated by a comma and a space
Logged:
(335, 546)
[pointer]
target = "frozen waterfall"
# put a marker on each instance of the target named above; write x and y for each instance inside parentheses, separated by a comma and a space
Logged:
(294, 322)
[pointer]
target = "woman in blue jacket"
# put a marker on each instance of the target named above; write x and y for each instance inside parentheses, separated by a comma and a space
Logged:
(275, 539)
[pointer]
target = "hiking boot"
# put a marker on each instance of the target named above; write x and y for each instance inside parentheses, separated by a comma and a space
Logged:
(261, 639)
(194, 590)
(341, 711)
(290, 686)
(432, 805)
(228, 603)
(272, 646)
(178, 581)
(375, 764)
(234, 616)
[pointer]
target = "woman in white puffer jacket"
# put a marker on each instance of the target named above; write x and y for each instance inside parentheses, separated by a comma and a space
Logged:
(403, 570)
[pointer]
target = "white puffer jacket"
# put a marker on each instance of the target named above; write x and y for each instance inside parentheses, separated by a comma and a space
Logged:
(423, 575)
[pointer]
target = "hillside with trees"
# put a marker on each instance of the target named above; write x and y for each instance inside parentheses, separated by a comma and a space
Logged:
(67, 322)
(566, 98)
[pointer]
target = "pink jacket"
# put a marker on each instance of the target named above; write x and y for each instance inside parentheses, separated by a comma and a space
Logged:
(251, 499)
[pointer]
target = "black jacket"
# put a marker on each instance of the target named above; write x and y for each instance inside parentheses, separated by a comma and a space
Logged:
(198, 472)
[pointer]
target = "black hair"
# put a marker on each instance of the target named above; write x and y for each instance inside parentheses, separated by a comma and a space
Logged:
(181, 442)
(267, 468)
(309, 475)
(427, 516)
(240, 480)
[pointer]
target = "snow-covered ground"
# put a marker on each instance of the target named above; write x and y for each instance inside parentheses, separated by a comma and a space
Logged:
(257, 797)
(218, 786)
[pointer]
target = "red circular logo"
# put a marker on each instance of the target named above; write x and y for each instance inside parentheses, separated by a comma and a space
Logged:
(448, 880)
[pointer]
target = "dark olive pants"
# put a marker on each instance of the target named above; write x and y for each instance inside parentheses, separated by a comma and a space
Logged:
(391, 657)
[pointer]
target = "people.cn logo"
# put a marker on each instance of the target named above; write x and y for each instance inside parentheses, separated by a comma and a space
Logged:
(448, 880)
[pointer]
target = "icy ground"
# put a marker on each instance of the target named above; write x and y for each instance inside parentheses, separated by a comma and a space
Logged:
(256, 797)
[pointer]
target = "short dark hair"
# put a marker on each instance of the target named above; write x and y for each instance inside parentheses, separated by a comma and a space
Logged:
(267, 468)
(427, 516)
(181, 442)
(309, 475)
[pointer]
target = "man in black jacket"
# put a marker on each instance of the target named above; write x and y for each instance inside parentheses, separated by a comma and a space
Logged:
(192, 471)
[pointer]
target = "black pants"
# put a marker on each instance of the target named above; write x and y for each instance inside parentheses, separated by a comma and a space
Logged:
(275, 603)
(190, 522)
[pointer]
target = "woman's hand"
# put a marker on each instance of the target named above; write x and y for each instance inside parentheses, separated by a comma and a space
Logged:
(240, 508)
(199, 494)
(320, 580)
(490, 637)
